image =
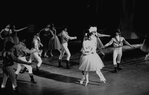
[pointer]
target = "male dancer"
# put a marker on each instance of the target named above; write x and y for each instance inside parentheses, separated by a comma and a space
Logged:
(64, 42)
(37, 55)
(21, 52)
(117, 42)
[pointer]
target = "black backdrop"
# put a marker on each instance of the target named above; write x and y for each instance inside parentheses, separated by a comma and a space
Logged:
(128, 15)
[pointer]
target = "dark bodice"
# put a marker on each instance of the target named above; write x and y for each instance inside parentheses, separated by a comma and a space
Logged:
(8, 59)
(5, 33)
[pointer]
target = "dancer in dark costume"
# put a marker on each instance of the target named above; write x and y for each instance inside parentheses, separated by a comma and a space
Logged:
(46, 34)
(6, 35)
(15, 34)
(54, 43)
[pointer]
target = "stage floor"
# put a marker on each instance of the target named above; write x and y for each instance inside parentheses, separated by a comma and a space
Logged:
(52, 80)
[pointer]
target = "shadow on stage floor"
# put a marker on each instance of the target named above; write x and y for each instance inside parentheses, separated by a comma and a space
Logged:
(56, 77)
(54, 80)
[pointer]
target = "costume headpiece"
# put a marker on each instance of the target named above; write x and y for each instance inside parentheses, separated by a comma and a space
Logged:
(92, 29)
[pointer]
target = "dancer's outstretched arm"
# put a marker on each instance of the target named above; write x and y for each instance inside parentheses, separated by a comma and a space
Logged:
(17, 30)
(0, 34)
(109, 43)
(126, 42)
(103, 35)
(68, 37)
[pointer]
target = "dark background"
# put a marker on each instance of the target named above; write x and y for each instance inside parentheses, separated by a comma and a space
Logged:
(108, 15)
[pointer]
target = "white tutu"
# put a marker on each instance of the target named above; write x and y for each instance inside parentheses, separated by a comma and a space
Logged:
(90, 62)
(145, 45)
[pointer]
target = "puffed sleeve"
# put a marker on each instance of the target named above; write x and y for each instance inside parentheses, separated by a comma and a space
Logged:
(15, 59)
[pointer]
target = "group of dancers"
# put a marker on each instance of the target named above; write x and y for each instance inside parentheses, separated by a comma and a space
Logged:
(91, 61)
(16, 51)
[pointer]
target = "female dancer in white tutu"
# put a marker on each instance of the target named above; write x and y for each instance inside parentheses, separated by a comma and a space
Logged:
(145, 46)
(90, 60)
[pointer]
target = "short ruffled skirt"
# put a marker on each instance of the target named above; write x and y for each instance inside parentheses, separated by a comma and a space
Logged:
(90, 62)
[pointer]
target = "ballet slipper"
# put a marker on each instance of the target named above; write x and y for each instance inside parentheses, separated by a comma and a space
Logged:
(103, 80)
(2, 86)
(86, 83)
(81, 81)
